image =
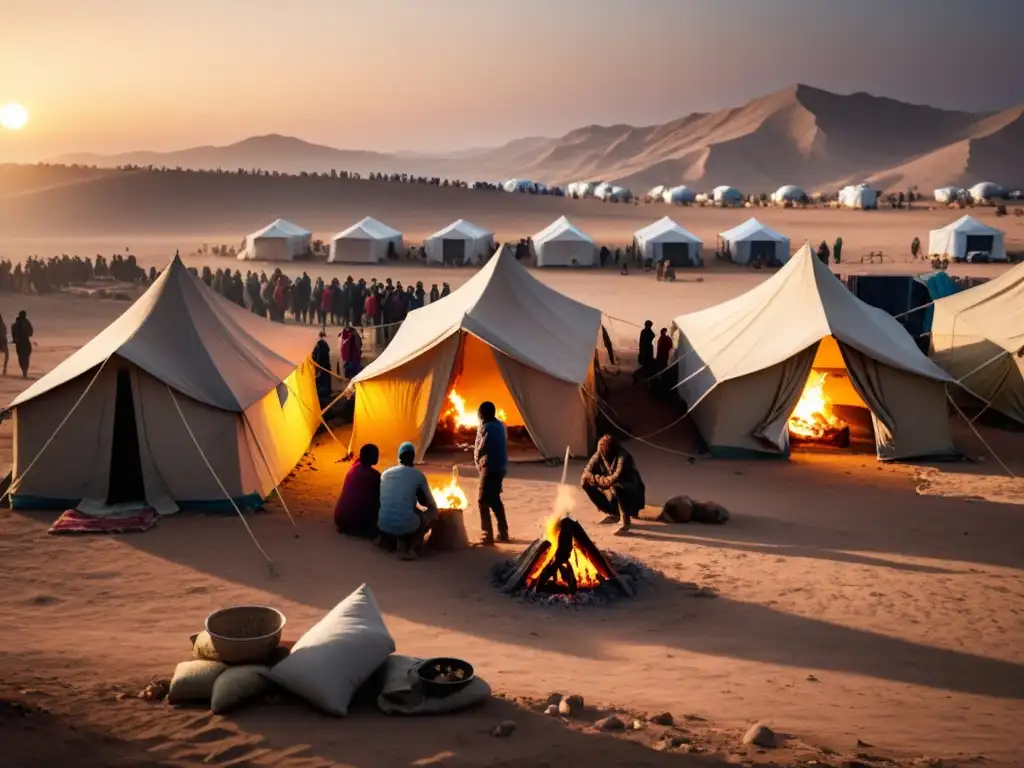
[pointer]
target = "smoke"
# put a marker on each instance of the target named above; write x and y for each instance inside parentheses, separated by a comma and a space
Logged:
(565, 500)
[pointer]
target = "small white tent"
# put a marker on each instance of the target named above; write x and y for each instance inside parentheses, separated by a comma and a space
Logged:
(183, 374)
(752, 241)
(946, 195)
(743, 366)
(987, 190)
(978, 335)
(664, 239)
(505, 337)
(278, 241)
(561, 244)
(581, 189)
(518, 185)
(789, 194)
(461, 242)
(679, 195)
(727, 196)
(967, 235)
(656, 194)
(365, 242)
(858, 196)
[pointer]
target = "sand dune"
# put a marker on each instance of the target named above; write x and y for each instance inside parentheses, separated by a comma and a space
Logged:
(798, 135)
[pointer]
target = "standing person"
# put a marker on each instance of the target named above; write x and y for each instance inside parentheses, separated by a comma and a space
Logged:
(403, 489)
(662, 358)
(435, 294)
(351, 353)
(322, 359)
(915, 247)
(646, 355)
(490, 454)
(823, 253)
(837, 250)
(3, 343)
(21, 335)
(613, 483)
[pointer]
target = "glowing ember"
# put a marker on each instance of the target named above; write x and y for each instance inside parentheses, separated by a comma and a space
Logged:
(812, 419)
(451, 496)
(586, 572)
(460, 416)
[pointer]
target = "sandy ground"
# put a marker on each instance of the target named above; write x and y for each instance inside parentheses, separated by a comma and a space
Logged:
(854, 614)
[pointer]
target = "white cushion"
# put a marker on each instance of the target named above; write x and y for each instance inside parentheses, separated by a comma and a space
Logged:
(337, 655)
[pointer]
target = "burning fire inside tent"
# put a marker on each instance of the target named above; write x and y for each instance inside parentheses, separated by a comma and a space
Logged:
(565, 566)
(458, 423)
(813, 420)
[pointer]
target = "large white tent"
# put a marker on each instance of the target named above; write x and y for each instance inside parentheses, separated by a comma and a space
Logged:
(461, 242)
(858, 196)
(947, 195)
(967, 235)
(978, 336)
(743, 366)
(365, 242)
(278, 241)
(987, 190)
(790, 193)
(561, 244)
(505, 337)
(183, 374)
(752, 241)
(664, 239)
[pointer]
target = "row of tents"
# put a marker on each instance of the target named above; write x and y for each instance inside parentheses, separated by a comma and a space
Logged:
(187, 400)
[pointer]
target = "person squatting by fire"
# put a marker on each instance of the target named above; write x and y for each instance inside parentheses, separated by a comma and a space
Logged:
(613, 484)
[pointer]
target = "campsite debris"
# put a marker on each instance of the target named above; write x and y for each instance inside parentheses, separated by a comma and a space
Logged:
(760, 736)
(570, 705)
(156, 690)
(638, 725)
(504, 729)
(554, 698)
(812, 679)
(551, 709)
(663, 718)
(678, 741)
(610, 723)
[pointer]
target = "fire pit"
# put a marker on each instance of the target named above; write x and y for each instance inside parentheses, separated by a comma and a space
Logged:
(565, 567)
(813, 421)
(449, 531)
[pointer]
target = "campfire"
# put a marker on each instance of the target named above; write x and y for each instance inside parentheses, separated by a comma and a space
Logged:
(457, 416)
(449, 531)
(450, 496)
(813, 421)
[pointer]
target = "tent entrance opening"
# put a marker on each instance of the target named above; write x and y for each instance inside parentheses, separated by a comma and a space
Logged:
(125, 482)
(453, 252)
(477, 378)
(830, 412)
(762, 251)
(676, 254)
(979, 244)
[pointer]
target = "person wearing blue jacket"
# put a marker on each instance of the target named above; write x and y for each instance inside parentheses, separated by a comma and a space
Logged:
(403, 490)
(490, 454)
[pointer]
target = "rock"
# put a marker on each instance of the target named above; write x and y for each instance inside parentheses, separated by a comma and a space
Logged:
(663, 718)
(610, 723)
(678, 741)
(553, 699)
(507, 728)
(678, 509)
(551, 710)
(638, 725)
(760, 736)
(570, 705)
(155, 691)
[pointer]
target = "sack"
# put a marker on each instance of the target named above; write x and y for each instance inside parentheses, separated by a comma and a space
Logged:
(202, 647)
(193, 681)
(678, 509)
(237, 685)
(337, 655)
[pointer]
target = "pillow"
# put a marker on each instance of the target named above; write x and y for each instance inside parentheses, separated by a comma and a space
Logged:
(337, 655)
(193, 681)
(237, 685)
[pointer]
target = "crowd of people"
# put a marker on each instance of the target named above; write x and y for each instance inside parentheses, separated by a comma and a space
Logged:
(38, 275)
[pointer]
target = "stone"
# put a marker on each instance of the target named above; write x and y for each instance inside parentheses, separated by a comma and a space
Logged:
(551, 710)
(760, 736)
(812, 679)
(610, 723)
(553, 699)
(663, 718)
(638, 725)
(678, 741)
(504, 729)
(570, 705)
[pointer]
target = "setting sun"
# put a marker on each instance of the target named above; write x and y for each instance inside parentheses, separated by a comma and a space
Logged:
(13, 117)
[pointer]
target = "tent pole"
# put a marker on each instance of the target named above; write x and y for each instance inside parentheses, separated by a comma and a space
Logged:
(270, 563)
(978, 435)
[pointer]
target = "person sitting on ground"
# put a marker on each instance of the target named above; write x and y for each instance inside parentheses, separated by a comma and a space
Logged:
(403, 490)
(613, 483)
(355, 513)
(490, 454)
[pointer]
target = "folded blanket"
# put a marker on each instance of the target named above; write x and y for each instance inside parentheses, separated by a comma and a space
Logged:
(73, 521)
(402, 694)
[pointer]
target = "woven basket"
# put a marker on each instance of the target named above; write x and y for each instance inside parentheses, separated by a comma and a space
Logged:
(245, 634)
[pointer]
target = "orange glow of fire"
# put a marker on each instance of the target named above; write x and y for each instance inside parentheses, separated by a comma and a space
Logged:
(461, 416)
(450, 496)
(813, 413)
(586, 573)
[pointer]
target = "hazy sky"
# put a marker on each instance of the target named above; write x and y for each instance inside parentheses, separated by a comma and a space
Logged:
(116, 75)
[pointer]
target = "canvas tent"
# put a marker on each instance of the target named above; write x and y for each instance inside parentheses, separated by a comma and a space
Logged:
(987, 190)
(967, 235)
(461, 242)
(752, 240)
(977, 336)
(561, 244)
(278, 241)
(679, 195)
(726, 195)
(245, 388)
(858, 196)
(503, 336)
(743, 365)
(365, 242)
(664, 239)
(947, 195)
(789, 193)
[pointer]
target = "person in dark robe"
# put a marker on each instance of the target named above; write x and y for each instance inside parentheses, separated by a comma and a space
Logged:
(435, 294)
(613, 484)
(322, 358)
(21, 335)
(823, 252)
(837, 250)
(351, 352)
(326, 303)
(355, 513)
(3, 343)
(490, 455)
(662, 357)
(645, 356)
(445, 290)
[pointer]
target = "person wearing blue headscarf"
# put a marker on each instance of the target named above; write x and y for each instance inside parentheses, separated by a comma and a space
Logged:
(403, 492)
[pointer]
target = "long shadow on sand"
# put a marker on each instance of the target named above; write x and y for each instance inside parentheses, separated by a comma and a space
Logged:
(453, 593)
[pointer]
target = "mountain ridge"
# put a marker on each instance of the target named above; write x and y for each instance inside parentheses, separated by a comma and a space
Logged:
(797, 135)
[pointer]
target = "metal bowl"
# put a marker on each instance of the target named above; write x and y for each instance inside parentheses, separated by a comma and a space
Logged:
(429, 670)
